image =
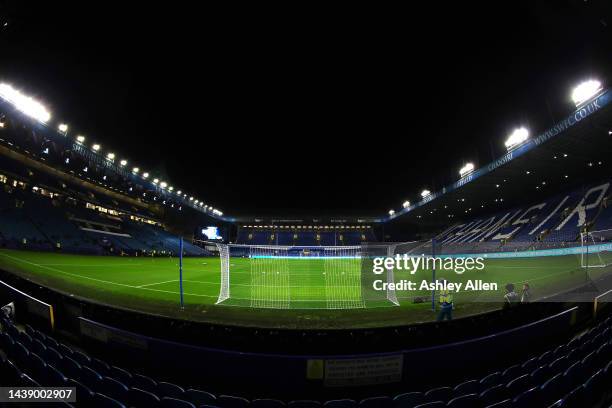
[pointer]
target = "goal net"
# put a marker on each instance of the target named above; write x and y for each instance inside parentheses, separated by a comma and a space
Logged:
(596, 249)
(293, 277)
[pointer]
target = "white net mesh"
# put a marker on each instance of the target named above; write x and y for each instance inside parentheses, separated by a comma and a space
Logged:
(596, 249)
(292, 277)
(224, 291)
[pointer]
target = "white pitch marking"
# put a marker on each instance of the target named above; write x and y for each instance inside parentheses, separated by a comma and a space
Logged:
(158, 283)
(103, 281)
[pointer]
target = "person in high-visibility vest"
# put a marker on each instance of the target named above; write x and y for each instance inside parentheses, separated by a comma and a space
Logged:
(446, 304)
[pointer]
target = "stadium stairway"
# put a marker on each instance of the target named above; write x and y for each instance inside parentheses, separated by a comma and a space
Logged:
(577, 373)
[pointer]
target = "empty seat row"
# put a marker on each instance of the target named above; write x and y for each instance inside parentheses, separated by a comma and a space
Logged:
(571, 374)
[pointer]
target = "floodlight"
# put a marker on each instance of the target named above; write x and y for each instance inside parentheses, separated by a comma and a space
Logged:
(586, 91)
(123, 162)
(467, 169)
(196, 201)
(179, 192)
(24, 103)
(163, 184)
(190, 198)
(110, 156)
(96, 147)
(145, 175)
(406, 204)
(63, 127)
(170, 188)
(425, 193)
(135, 170)
(391, 212)
(155, 180)
(80, 139)
(517, 137)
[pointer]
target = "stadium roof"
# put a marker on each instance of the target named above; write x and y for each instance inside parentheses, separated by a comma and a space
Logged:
(573, 150)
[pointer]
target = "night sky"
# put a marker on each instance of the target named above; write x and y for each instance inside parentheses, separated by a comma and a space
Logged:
(312, 111)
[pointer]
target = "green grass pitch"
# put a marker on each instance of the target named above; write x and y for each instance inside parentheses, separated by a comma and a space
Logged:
(152, 285)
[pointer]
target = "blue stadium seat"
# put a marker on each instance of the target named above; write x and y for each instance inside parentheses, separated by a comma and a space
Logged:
(267, 403)
(467, 387)
(138, 398)
(6, 341)
(527, 399)
(230, 401)
(36, 366)
(145, 383)
(494, 394)
(70, 368)
(40, 336)
(9, 371)
(530, 364)
(102, 401)
(113, 388)
(53, 377)
(81, 358)
(38, 347)
(540, 375)
(594, 388)
(64, 349)
(434, 404)
(27, 381)
(464, 401)
(84, 395)
(545, 358)
(604, 352)
(590, 362)
(20, 354)
(491, 379)
(340, 403)
(52, 356)
(518, 385)
(25, 339)
(502, 404)
(560, 351)
(558, 365)
(552, 389)
(199, 397)
(304, 404)
(166, 389)
(575, 398)
(574, 374)
(90, 378)
(29, 329)
(375, 402)
(510, 373)
(122, 375)
(409, 399)
(167, 402)
(100, 366)
(440, 394)
(52, 342)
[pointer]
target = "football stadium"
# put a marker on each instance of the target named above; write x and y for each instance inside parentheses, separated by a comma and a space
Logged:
(124, 284)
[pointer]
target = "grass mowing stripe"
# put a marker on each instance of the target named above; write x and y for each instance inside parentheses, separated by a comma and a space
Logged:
(100, 280)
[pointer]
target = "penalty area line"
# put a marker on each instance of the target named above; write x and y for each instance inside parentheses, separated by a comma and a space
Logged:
(157, 283)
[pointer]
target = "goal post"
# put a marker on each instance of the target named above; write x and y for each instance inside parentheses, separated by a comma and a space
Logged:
(596, 249)
(296, 277)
